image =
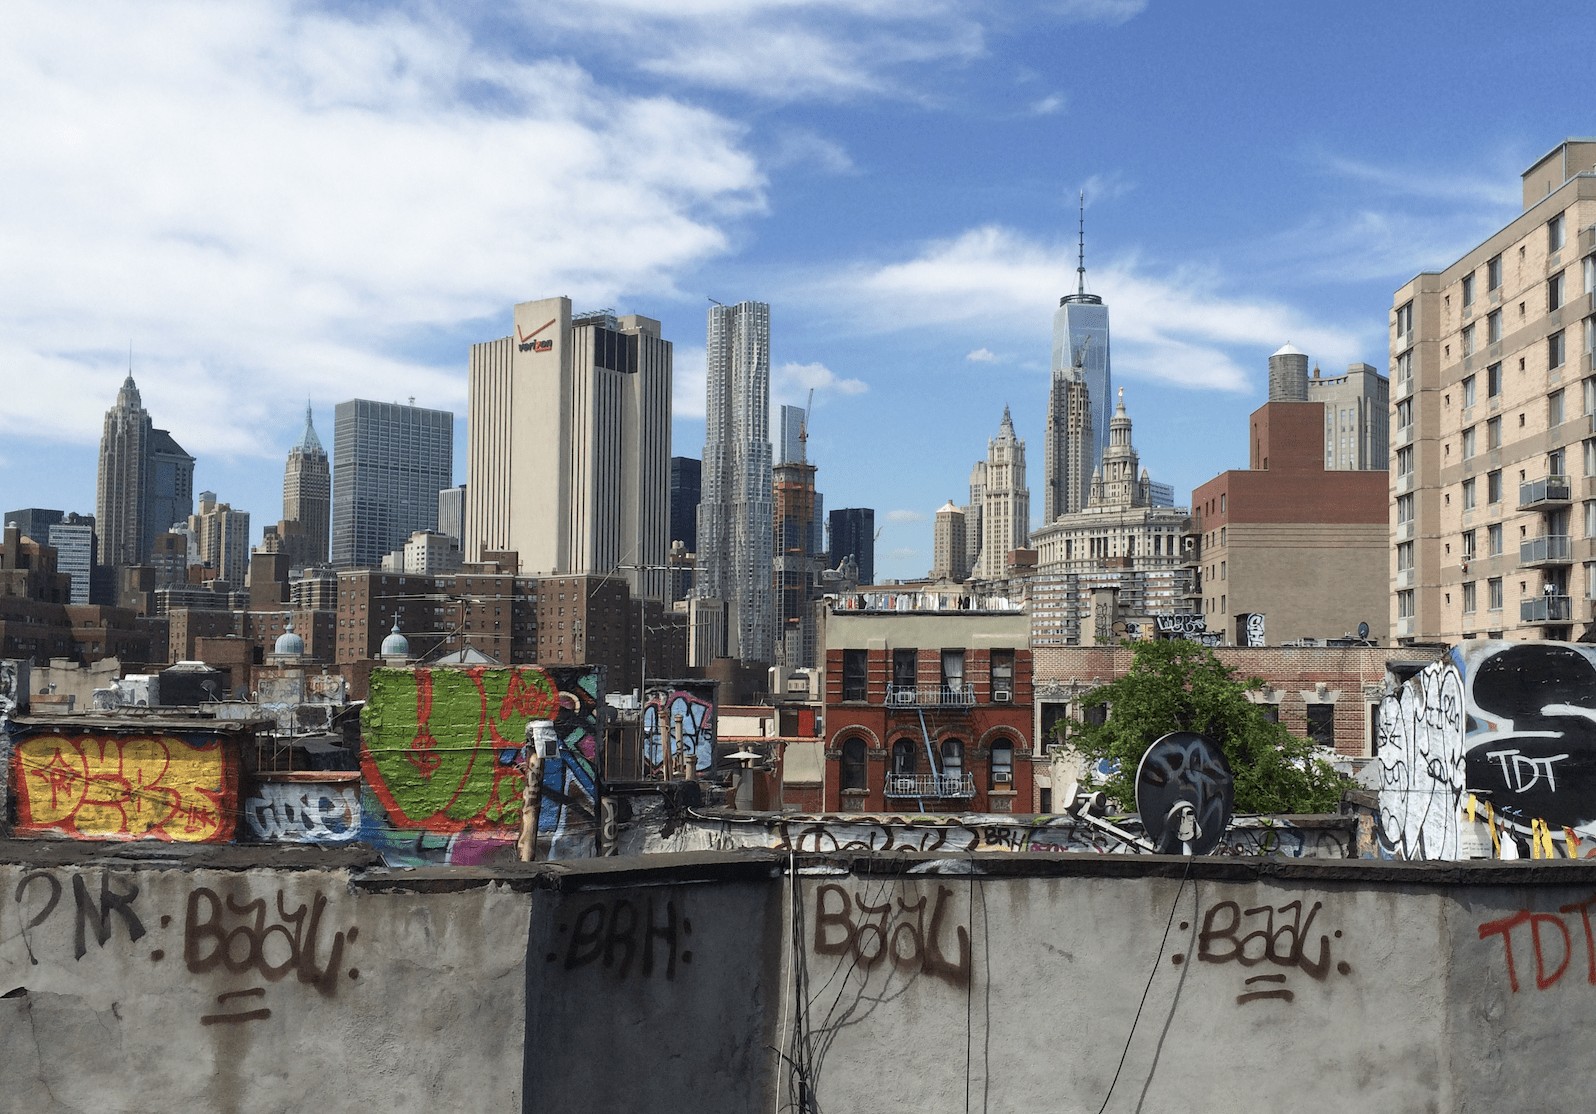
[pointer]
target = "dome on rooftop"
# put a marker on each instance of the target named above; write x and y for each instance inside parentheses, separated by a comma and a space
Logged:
(289, 643)
(395, 645)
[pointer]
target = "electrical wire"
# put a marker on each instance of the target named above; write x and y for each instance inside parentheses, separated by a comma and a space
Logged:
(1157, 962)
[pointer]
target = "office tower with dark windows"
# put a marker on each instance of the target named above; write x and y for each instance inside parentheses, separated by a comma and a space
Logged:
(569, 463)
(853, 534)
(686, 489)
(389, 463)
(735, 514)
(145, 482)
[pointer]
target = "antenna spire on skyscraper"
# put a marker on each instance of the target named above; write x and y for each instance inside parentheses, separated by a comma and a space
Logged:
(1080, 266)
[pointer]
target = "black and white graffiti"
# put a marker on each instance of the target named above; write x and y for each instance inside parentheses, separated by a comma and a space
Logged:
(1421, 764)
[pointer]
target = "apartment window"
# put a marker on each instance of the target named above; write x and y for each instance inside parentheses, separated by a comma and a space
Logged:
(1405, 604)
(1493, 593)
(1404, 461)
(1588, 396)
(852, 772)
(1554, 350)
(1468, 290)
(1493, 326)
(1493, 381)
(1468, 388)
(1404, 556)
(1590, 274)
(1590, 456)
(905, 758)
(1404, 367)
(1404, 504)
(953, 670)
(1493, 273)
(1554, 291)
(1404, 318)
(855, 674)
(1468, 545)
(905, 665)
(1493, 433)
(1590, 518)
(1554, 408)
(1555, 233)
(1493, 540)
(1468, 494)
(1468, 350)
(1003, 672)
(953, 759)
(1002, 764)
(1468, 597)
(1493, 486)
(1404, 412)
(1556, 463)
(1468, 442)
(1322, 725)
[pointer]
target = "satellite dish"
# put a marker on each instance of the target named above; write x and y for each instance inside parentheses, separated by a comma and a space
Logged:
(1185, 794)
(1363, 632)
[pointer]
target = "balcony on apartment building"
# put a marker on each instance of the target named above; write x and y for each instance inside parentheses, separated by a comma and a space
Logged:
(930, 696)
(940, 786)
(1545, 493)
(1546, 609)
(1548, 549)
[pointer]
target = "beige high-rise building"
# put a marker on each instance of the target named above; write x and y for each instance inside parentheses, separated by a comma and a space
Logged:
(1006, 503)
(221, 537)
(1357, 408)
(1493, 462)
(948, 556)
(570, 449)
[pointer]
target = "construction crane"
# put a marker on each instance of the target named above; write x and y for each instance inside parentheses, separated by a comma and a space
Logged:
(803, 428)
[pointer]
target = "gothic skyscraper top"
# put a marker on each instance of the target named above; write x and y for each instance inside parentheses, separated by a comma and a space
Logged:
(145, 482)
(307, 499)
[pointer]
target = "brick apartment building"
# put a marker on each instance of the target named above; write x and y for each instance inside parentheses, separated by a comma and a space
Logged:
(927, 704)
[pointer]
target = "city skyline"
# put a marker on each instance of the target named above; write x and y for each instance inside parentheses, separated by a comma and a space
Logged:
(902, 191)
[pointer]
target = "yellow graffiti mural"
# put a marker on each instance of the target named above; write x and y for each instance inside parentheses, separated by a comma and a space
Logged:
(125, 787)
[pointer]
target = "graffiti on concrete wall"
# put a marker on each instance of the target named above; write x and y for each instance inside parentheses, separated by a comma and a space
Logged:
(825, 833)
(1283, 940)
(683, 716)
(441, 758)
(1553, 941)
(909, 929)
(305, 810)
(240, 938)
(1421, 764)
(104, 786)
(628, 936)
(1500, 736)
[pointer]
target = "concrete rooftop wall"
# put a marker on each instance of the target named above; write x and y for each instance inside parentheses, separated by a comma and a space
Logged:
(226, 980)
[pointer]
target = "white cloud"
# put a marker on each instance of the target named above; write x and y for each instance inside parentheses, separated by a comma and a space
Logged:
(782, 50)
(1048, 106)
(981, 356)
(273, 202)
(790, 383)
(1099, 188)
(905, 516)
(689, 389)
(1172, 325)
(802, 149)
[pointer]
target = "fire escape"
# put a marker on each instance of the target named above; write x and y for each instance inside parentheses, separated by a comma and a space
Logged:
(934, 706)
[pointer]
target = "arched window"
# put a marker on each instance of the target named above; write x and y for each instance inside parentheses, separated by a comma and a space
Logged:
(953, 759)
(1002, 764)
(904, 759)
(853, 775)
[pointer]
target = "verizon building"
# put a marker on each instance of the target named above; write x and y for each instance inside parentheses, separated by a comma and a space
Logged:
(570, 445)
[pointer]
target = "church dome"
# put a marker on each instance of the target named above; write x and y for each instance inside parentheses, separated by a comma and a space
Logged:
(395, 645)
(289, 643)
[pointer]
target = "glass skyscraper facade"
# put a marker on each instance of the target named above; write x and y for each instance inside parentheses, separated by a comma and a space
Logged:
(389, 463)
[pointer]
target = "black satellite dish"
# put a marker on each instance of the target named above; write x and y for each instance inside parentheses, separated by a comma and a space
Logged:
(1363, 632)
(1185, 794)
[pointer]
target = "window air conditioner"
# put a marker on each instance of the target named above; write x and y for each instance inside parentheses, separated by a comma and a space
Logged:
(1002, 696)
(1002, 777)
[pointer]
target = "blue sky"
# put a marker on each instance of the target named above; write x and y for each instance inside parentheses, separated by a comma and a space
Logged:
(276, 202)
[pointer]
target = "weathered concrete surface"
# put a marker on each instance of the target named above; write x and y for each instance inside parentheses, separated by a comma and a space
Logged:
(135, 977)
(131, 986)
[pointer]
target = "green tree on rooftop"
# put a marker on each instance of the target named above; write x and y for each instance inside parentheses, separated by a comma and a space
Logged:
(1179, 685)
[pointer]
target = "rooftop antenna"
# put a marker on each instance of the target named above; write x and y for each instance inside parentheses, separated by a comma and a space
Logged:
(1080, 265)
